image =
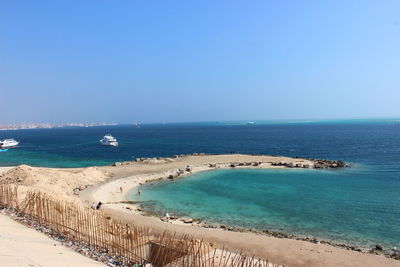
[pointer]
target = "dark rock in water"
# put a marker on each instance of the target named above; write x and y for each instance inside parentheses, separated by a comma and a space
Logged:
(222, 226)
(378, 247)
(321, 163)
(171, 176)
(394, 255)
(318, 166)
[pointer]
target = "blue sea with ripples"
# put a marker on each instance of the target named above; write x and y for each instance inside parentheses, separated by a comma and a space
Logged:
(358, 205)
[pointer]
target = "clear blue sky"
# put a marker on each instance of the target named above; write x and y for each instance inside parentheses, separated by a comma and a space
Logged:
(171, 61)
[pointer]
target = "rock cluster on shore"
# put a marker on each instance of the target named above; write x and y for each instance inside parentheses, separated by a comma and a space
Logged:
(316, 164)
(291, 164)
(242, 164)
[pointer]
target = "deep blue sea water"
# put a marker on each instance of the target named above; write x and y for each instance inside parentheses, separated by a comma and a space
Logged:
(356, 205)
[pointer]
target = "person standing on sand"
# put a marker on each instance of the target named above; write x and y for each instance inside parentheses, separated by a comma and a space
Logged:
(120, 189)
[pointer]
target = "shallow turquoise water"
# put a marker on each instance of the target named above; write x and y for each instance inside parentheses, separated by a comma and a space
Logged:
(350, 206)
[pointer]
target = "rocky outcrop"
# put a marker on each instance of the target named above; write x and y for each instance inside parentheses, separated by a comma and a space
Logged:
(321, 164)
(317, 164)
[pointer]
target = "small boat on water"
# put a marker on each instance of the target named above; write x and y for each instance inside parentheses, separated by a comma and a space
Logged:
(8, 143)
(109, 140)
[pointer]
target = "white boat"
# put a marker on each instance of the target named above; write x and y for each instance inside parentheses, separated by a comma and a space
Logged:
(8, 143)
(109, 140)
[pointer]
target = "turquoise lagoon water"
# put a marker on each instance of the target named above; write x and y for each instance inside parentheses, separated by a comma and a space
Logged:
(346, 206)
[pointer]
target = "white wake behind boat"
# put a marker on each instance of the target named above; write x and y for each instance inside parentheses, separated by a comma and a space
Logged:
(109, 140)
(8, 143)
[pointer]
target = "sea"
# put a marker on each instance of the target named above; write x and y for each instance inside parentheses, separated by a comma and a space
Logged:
(357, 206)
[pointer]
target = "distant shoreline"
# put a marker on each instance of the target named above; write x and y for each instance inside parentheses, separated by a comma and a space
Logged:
(51, 126)
(25, 126)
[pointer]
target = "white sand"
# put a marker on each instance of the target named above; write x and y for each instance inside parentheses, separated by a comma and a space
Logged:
(22, 246)
(5, 169)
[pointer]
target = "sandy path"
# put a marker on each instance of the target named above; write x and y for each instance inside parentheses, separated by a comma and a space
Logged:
(22, 246)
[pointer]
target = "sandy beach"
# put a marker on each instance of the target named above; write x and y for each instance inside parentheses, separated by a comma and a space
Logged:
(21, 246)
(88, 185)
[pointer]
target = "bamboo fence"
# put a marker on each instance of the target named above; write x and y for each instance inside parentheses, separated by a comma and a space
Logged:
(124, 241)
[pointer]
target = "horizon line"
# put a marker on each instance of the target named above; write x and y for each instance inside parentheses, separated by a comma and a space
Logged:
(66, 124)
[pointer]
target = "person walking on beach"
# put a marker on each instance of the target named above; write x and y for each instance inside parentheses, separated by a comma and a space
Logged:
(120, 189)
